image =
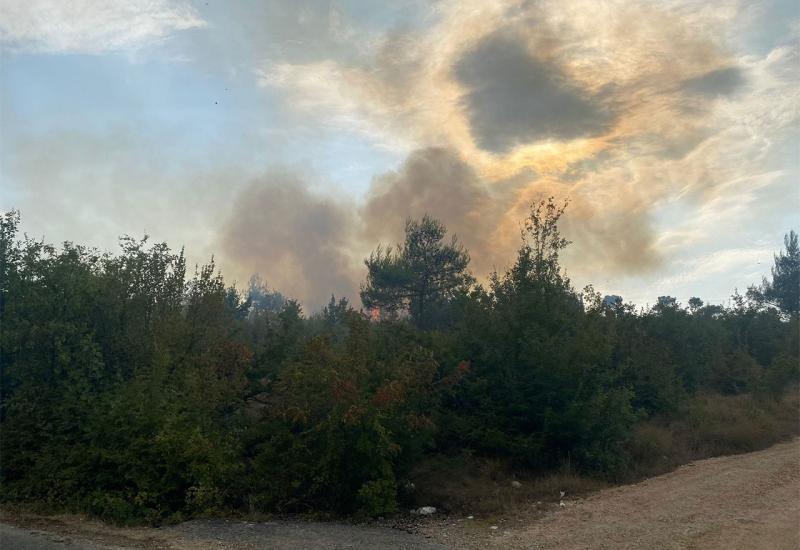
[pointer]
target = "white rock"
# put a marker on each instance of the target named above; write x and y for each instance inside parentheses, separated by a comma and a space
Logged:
(470, 517)
(424, 511)
(493, 527)
(562, 504)
(562, 494)
(516, 484)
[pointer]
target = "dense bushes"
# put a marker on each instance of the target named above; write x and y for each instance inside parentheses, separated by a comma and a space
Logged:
(342, 423)
(140, 395)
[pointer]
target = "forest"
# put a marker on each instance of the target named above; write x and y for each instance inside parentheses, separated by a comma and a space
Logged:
(136, 390)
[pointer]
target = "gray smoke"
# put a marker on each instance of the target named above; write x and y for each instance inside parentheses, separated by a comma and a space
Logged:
(298, 240)
(438, 182)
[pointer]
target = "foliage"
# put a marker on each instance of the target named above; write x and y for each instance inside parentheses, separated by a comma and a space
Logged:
(783, 291)
(362, 404)
(543, 384)
(134, 391)
(419, 277)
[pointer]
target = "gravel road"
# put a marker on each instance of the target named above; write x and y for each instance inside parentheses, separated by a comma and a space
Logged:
(17, 538)
(71, 532)
(734, 502)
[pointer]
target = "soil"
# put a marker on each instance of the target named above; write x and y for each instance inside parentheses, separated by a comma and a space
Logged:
(742, 501)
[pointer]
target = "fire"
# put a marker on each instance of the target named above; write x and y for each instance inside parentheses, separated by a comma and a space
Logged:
(375, 314)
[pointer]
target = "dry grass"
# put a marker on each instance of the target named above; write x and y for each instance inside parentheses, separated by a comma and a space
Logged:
(708, 425)
(713, 425)
(470, 485)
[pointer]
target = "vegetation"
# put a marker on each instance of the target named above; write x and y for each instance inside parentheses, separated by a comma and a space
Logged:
(420, 278)
(138, 394)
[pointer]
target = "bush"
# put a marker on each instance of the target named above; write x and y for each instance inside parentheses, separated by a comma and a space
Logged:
(378, 497)
(140, 395)
(651, 443)
(343, 424)
(117, 509)
(717, 424)
(711, 425)
(782, 376)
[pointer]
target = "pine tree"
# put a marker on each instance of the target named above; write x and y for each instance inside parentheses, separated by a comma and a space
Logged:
(419, 277)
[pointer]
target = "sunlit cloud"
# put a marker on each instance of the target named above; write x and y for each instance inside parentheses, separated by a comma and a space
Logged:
(621, 107)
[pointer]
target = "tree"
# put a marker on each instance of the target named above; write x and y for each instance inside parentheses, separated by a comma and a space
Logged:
(335, 312)
(666, 303)
(262, 298)
(418, 277)
(543, 243)
(541, 370)
(695, 304)
(132, 393)
(784, 289)
(9, 257)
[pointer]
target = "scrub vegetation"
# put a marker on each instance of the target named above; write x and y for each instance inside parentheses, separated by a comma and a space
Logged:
(138, 393)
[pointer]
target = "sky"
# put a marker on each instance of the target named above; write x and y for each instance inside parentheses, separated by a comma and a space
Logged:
(291, 138)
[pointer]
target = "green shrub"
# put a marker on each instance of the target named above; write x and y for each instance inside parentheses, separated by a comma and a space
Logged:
(140, 395)
(117, 509)
(378, 497)
(343, 424)
(782, 376)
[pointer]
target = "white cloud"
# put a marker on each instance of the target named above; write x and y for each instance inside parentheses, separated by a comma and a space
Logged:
(91, 26)
(748, 261)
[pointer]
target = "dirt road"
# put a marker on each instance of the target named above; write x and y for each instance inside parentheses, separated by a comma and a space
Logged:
(744, 501)
(29, 532)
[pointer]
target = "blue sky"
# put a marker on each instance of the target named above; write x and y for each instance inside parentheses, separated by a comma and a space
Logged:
(290, 138)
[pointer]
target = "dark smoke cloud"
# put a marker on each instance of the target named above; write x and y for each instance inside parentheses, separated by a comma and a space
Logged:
(611, 242)
(297, 240)
(515, 98)
(438, 182)
(308, 246)
(718, 82)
